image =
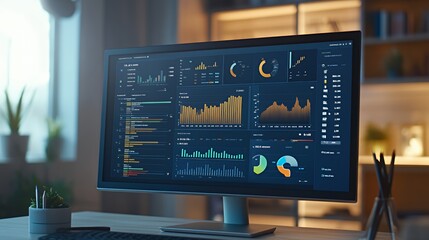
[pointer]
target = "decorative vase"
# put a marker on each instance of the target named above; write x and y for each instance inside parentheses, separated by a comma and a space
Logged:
(48, 220)
(15, 147)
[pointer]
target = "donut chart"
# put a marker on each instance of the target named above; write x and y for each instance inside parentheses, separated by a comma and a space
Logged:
(231, 70)
(270, 69)
(282, 161)
(239, 69)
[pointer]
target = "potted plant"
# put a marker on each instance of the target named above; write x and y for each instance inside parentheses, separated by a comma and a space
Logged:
(393, 63)
(54, 142)
(15, 144)
(48, 212)
(376, 139)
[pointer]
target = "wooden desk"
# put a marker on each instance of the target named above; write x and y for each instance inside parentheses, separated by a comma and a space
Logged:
(17, 228)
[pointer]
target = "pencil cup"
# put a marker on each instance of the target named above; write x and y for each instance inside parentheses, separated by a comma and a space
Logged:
(382, 207)
(383, 204)
(48, 220)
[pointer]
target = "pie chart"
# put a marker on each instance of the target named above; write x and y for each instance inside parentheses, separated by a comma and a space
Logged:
(291, 161)
(262, 164)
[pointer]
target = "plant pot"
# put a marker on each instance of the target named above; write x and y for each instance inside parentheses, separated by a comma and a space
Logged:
(48, 220)
(54, 149)
(15, 147)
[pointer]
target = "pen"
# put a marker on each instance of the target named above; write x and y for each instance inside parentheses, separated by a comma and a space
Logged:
(383, 174)
(392, 168)
(37, 198)
(44, 199)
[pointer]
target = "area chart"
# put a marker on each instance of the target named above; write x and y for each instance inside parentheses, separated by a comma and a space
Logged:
(278, 113)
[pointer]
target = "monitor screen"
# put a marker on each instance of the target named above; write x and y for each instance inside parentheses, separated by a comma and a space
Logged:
(269, 117)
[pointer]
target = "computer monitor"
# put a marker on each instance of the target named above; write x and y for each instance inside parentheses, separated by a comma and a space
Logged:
(267, 117)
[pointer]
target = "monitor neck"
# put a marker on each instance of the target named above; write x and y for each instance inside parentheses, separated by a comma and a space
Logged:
(235, 210)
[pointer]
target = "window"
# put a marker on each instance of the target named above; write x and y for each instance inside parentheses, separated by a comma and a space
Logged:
(25, 32)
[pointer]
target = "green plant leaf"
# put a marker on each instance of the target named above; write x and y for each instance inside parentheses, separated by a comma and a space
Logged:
(53, 199)
(15, 114)
(54, 128)
(11, 116)
(18, 113)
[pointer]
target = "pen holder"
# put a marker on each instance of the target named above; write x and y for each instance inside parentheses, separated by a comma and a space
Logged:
(48, 220)
(382, 207)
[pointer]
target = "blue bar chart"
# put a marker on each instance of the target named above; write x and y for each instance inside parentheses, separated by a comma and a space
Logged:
(208, 171)
(211, 154)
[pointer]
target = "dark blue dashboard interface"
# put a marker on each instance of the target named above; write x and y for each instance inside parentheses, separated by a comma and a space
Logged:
(269, 117)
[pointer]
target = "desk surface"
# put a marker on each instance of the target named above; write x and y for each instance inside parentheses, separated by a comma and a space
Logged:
(17, 228)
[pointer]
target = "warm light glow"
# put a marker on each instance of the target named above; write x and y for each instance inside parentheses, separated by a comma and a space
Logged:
(251, 23)
(329, 16)
(399, 160)
(412, 140)
(254, 13)
(314, 17)
(332, 5)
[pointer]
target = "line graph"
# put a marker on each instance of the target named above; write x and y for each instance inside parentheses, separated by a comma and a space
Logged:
(302, 65)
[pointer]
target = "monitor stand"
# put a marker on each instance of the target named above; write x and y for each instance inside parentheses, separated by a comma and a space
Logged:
(236, 222)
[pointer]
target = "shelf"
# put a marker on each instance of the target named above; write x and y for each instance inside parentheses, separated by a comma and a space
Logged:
(399, 161)
(397, 39)
(396, 80)
(334, 217)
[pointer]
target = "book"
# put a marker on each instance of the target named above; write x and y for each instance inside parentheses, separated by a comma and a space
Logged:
(397, 23)
(377, 24)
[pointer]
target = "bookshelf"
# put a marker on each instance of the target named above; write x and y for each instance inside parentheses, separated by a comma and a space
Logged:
(398, 39)
(396, 36)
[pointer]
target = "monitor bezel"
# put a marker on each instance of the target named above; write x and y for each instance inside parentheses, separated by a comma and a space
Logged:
(202, 189)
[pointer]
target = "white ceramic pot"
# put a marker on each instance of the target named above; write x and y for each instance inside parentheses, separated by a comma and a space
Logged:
(48, 220)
